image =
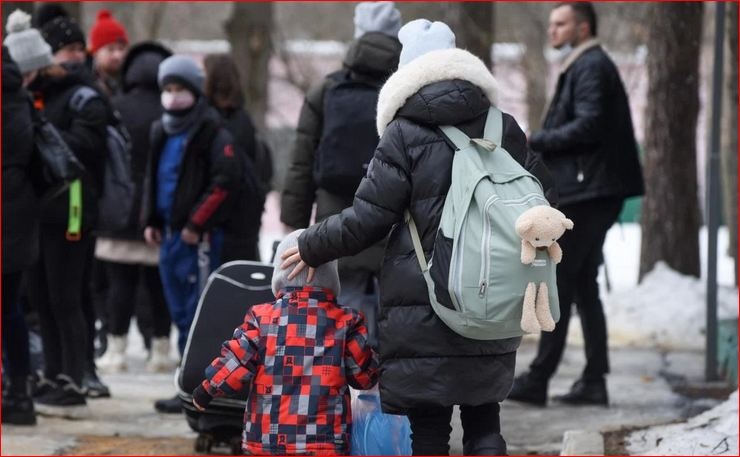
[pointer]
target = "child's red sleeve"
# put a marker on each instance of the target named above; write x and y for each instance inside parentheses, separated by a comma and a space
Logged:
(240, 357)
(360, 361)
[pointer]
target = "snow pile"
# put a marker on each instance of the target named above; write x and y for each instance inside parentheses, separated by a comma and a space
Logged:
(714, 432)
(666, 310)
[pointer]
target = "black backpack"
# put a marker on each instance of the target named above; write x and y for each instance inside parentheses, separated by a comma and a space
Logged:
(262, 165)
(349, 136)
(247, 202)
(116, 198)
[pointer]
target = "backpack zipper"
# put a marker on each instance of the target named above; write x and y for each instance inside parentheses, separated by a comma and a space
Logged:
(485, 247)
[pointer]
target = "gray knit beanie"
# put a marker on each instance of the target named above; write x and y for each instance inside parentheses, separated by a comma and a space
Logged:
(25, 44)
(421, 36)
(380, 17)
(182, 70)
(326, 275)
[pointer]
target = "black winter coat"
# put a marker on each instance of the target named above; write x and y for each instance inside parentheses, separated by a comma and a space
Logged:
(20, 204)
(587, 140)
(139, 106)
(423, 362)
(372, 59)
(241, 242)
(241, 127)
(209, 180)
(83, 131)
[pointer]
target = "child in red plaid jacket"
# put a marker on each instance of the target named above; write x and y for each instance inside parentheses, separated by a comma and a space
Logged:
(300, 353)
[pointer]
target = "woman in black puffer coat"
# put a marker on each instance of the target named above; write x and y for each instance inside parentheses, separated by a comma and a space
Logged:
(426, 367)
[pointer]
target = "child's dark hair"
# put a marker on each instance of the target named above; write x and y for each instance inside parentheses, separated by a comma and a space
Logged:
(223, 85)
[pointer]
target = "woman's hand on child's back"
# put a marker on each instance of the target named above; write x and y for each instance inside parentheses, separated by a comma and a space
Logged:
(292, 256)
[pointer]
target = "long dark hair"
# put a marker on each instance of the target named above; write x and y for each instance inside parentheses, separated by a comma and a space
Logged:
(223, 87)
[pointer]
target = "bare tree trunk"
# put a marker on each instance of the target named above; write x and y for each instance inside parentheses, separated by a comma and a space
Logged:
(670, 215)
(452, 16)
(155, 16)
(248, 31)
(729, 137)
(477, 34)
(535, 65)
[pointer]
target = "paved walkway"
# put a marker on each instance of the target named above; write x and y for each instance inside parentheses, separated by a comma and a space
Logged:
(639, 396)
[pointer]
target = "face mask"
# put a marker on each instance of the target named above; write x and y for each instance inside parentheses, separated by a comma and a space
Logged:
(177, 101)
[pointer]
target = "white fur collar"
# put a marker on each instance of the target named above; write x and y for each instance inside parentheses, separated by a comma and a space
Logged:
(435, 66)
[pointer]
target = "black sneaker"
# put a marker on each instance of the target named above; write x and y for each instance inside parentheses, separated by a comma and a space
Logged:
(169, 406)
(585, 393)
(67, 400)
(93, 386)
(42, 385)
(529, 389)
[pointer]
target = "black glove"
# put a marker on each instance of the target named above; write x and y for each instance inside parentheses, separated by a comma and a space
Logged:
(201, 397)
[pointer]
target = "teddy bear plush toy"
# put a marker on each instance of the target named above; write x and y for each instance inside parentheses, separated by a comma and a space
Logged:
(540, 227)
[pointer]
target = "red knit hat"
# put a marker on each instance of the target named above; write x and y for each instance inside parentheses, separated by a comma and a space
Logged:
(106, 30)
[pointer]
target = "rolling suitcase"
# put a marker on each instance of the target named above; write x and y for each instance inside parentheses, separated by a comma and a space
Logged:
(230, 291)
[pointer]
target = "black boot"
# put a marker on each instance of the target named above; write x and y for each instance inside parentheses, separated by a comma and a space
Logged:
(492, 444)
(586, 392)
(169, 405)
(17, 404)
(529, 388)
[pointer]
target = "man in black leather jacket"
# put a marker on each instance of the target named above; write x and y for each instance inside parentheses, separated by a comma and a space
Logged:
(588, 144)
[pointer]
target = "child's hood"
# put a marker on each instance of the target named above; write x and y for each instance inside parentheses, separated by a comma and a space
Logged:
(325, 277)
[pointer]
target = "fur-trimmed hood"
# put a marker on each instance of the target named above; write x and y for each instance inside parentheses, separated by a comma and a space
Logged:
(433, 67)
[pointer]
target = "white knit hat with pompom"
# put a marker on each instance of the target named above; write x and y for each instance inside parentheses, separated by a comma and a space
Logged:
(25, 44)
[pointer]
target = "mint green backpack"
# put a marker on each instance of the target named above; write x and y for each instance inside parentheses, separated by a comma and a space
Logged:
(476, 280)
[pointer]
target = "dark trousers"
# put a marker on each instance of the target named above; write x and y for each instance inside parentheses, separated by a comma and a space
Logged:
(15, 332)
(431, 427)
(360, 291)
(576, 276)
(99, 296)
(184, 270)
(89, 305)
(125, 281)
(55, 287)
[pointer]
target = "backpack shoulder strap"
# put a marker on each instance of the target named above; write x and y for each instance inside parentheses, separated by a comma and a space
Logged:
(494, 129)
(493, 132)
(416, 240)
(458, 138)
(81, 96)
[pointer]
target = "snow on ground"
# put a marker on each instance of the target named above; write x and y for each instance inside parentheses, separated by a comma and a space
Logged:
(666, 310)
(714, 432)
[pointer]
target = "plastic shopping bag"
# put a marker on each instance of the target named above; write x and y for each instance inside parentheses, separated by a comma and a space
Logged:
(376, 433)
